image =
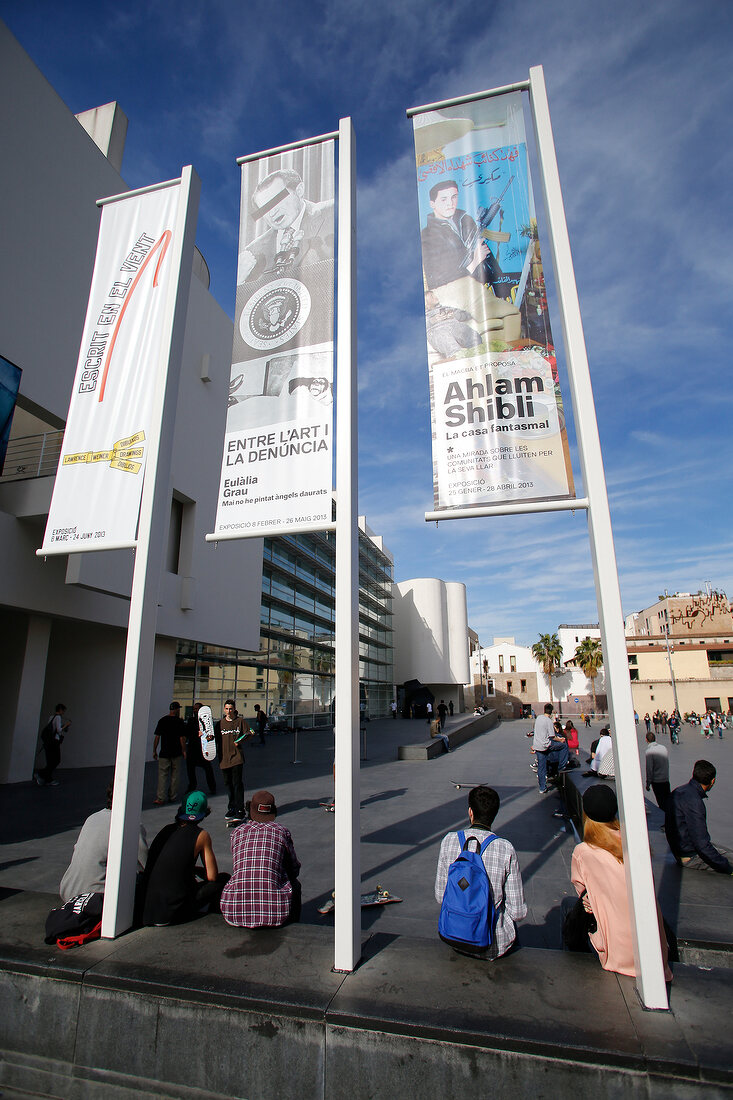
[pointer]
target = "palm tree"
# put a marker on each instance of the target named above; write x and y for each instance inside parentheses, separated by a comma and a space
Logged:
(589, 656)
(548, 653)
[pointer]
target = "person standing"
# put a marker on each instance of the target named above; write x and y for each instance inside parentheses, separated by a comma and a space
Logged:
(261, 720)
(393, 708)
(648, 722)
(194, 755)
(231, 733)
(429, 710)
(657, 771)
(51, 737)
(442, 712)
(170, 734)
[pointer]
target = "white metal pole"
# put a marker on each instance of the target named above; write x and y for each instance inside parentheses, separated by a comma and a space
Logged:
(637, 860)
(347, 914)
(154, 517)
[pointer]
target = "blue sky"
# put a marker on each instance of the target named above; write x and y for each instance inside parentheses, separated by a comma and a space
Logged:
(640, 99)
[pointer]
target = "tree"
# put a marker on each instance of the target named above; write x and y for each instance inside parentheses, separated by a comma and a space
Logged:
(548, 653)
(589, 656)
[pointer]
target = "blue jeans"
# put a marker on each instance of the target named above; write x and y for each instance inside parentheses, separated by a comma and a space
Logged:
(558, 755)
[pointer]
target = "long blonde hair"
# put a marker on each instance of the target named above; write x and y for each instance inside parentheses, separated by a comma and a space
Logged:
(605, 835)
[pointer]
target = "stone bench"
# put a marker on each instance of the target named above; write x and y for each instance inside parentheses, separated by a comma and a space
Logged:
(428, 750)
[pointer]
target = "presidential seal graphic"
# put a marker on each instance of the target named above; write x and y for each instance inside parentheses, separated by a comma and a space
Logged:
(275, 313)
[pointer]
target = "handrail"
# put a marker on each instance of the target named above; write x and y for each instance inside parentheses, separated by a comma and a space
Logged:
(32, 456)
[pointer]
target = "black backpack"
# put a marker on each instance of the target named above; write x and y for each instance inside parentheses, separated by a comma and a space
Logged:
(76, 921)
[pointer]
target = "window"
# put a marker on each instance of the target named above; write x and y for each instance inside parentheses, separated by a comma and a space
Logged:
(634, 674)
(501, 662)
(512, 664)
(490, 687)
(509, 687)
(523, 687)
(633, 660)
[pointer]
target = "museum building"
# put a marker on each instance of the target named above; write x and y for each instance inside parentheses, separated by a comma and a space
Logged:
(264, 607)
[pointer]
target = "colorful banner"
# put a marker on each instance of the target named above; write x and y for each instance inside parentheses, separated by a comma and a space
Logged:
(96, 496)
(497, 416)
(277, 463)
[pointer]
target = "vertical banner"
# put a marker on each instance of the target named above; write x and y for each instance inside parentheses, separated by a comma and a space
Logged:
(498, 424)
(96, 496)
(277, 465)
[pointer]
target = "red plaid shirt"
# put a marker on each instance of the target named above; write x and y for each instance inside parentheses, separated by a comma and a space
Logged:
(259, 893)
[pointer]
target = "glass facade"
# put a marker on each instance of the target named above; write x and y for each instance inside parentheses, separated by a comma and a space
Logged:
(291, 676)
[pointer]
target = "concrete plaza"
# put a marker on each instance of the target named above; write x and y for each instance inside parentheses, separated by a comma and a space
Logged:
(413, 1011)
(406, 809)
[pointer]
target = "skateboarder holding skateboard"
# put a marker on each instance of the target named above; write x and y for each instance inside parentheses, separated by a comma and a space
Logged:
(231, 732)
(194, 756)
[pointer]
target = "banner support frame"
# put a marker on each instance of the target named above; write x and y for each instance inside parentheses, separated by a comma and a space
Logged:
(651, 985)
(519, 86)
(334, 136)
(517, 508)
(347, 857)
(133, 730)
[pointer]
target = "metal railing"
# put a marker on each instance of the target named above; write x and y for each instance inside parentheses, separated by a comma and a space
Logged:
(32, 456)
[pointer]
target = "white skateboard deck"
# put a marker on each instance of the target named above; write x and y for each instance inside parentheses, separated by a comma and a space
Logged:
(206, 733)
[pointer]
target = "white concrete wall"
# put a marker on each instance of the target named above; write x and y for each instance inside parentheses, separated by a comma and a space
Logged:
(571, 636)
(431, 632)
(52, 175)
(569, 682)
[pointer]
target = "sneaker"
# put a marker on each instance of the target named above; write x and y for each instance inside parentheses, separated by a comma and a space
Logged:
(533, 767)
(38, 781)
(544, 790)
(53, 783)
(230, 815)
(159, 802)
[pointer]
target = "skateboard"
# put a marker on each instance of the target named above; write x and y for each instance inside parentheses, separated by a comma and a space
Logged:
(206, 733)
(235, 822)
(458, 786)
(379, 896)
(329, 806)
(245, 735)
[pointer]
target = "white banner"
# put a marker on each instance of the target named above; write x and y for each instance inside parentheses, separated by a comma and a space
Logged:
(277, 463)
(498, 423)
(96, 496)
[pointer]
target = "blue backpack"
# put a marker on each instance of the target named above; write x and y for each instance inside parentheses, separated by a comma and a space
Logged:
(467, 915)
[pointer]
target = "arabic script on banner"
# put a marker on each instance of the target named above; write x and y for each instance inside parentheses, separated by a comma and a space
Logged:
(498, 424)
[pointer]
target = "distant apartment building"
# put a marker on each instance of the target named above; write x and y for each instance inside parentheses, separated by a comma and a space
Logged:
(680, 652)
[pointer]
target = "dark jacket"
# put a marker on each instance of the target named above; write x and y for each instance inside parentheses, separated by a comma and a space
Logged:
(686, 827)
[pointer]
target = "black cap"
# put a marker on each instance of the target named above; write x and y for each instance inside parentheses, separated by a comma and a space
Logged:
(599, 803)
